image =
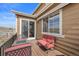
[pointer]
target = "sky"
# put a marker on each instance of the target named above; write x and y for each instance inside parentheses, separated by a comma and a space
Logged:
(7, 18)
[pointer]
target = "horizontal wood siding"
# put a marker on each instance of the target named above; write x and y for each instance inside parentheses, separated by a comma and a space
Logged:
(18, 25)
(38, 28)
(70, 44)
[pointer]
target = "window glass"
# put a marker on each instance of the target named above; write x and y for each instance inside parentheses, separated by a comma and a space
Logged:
(45, 25)
(51, 25)
(54, 24)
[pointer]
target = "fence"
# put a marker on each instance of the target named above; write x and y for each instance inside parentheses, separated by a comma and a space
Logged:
(8, 43)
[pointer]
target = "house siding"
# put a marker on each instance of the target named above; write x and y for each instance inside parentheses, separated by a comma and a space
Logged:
(18, 25)
(70, 29)
(39, 30)
(69, 44)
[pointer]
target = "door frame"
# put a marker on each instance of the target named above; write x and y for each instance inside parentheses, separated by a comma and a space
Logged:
(29, 38)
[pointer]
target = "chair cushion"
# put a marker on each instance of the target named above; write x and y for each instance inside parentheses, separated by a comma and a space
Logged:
(44, 39)
(50, 46)
(49, 40)
(42, 42)
(46, 44)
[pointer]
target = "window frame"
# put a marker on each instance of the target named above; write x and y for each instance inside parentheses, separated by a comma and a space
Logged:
(60, 26)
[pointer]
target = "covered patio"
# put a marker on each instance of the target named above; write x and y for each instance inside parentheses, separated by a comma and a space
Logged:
(35, 50)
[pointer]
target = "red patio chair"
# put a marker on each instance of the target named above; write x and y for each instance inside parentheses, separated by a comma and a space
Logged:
(46, 41)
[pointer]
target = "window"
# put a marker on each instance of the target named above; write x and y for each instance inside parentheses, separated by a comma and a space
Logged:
(52, 25)
(45, 25)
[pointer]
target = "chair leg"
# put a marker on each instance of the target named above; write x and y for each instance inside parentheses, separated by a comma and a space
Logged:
(47, 51)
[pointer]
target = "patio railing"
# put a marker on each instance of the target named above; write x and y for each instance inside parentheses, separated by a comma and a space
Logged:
(7, 43)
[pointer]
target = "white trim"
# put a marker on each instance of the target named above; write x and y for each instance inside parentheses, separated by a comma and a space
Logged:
(16, 24)
(60, 13)
(42, 25)
(35, 29)
(60, 27)
(23, 14)
(20, 25)
(28, 27)
(54, 34)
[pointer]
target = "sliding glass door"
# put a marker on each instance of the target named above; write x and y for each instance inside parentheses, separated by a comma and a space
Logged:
(24, 29)
(31, 29)
(28, 29)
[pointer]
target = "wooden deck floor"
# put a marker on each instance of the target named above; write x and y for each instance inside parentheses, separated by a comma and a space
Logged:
(37, 51)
